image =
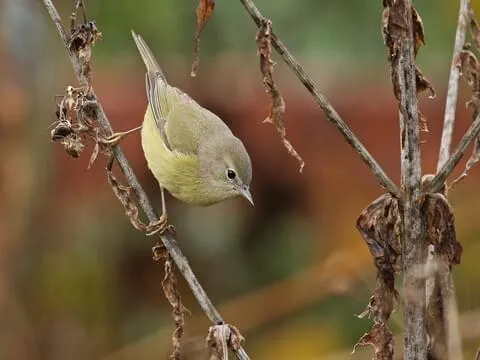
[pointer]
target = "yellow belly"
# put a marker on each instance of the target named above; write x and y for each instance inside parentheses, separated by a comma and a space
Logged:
(177, 172)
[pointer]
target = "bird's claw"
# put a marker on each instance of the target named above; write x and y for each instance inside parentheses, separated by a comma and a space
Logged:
(159, 227)
(115, 138)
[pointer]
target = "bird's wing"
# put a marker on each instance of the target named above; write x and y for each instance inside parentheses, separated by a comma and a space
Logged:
(182, 122)
(188, 124)
(156, 86)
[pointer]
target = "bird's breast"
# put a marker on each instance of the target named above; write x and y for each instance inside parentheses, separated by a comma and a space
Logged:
(175, 171)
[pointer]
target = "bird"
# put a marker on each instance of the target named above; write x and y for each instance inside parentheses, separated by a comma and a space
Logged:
(190, 151)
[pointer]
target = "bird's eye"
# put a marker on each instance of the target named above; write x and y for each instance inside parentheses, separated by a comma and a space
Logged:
(231, 174)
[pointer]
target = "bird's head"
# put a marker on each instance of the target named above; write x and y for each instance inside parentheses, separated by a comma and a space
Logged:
(225, 168)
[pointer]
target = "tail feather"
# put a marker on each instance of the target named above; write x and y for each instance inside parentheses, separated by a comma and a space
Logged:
(156, 86)
(147, 56)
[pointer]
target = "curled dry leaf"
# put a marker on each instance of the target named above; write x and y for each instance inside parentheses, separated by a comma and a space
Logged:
(82, 38)
(380, 226)
(381, 338)
(169, 284)
(205, 10)
(440, 222)
(77, 112)
(474, 27)
(418, 32)
(123, 193)
(277, 106)
(394, 31)
(69, 130)
(220, 338)
(423, 84)
(469, 67)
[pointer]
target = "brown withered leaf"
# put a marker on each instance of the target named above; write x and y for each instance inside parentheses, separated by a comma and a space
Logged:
(474, 27)
(423, 84)
(394, 31)
(82, 38)
(169, 284)
(381, 338)
(469, 67)
(220, 337)
(418, 33)
(472, 161)
(277, 106)
(68, 130)
(205, 10)
(123, 194)
(380, 225)
(440, 223)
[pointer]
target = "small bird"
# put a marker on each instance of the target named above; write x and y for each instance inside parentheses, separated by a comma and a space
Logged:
(191, 152)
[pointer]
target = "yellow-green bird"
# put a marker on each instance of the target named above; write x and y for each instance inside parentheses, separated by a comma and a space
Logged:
(191, 152)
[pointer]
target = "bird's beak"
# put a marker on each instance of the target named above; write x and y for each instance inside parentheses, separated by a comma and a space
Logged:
(244, 190)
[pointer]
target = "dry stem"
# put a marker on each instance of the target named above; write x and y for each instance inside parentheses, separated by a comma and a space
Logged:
(452, 92)
(415, 344)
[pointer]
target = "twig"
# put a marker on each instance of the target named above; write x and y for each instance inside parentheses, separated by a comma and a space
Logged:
(452, 92)
(413, 252)
(167, 239)
(447, 168)
(324, 104)
(448, 305)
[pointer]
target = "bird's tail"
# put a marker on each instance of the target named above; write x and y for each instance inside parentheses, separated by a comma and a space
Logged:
(147, 56)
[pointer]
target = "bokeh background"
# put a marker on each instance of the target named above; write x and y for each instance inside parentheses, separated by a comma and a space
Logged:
(78, 282)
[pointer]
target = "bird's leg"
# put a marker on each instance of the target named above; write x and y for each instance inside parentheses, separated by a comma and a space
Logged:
(115, 138)
(161, 225)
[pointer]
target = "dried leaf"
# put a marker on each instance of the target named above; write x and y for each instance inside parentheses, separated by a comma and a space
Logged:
(469, 67)
(474, 27)
(380, 226)
(418, 33)
(472, 161)
(204, 12)
(277, 106)
(423, 84)
(440, 222)
(220, 338)
(123, 194)
(82, 38)
(381, 338)
(394, 31)
(93, 157)
(169, 284)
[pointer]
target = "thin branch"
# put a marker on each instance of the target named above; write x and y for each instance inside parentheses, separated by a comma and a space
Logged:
(324, 104)
(447, 168)
(448, 305)
(167, 239)
(413, 252)
(452, 92)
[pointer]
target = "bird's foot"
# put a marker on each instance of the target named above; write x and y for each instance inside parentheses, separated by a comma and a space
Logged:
(160, 226)
(115, 138)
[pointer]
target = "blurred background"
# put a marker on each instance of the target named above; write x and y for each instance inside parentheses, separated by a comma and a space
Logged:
(78, 282)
